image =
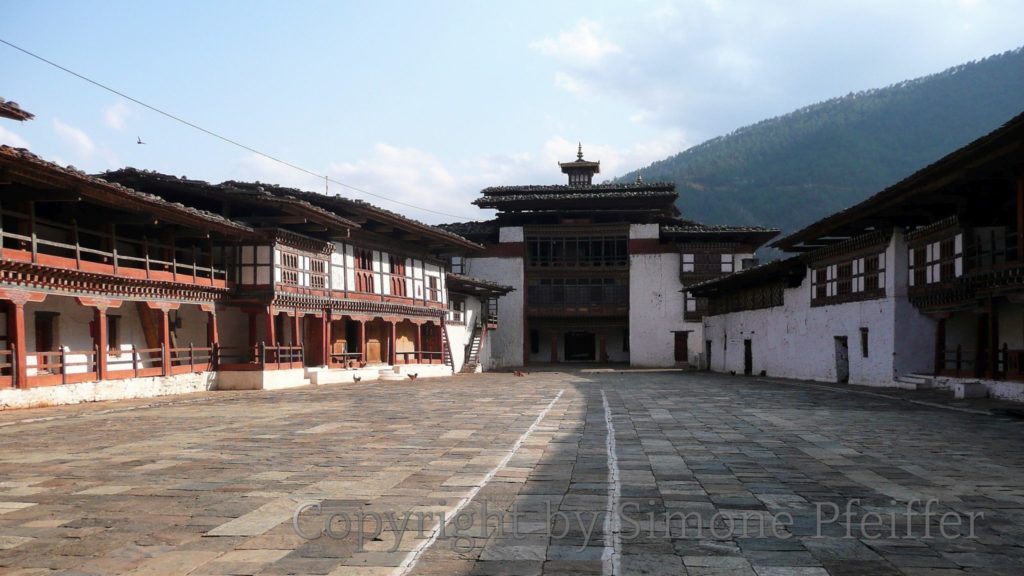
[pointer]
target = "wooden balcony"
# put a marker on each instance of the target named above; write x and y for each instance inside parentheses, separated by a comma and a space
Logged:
(120, 257)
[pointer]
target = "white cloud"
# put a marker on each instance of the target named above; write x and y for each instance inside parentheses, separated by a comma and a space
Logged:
(82, 150)
(117, 114)
(709, 67)
(11, 139)
(581, 46)
(79, 142)
(571, 83)
(422, 179)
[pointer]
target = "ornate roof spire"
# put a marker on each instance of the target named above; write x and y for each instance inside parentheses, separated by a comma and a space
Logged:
(579, 152)
(639, 178)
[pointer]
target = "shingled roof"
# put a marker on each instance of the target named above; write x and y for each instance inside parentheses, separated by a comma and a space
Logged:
(589, 189)
(23, 165)
(475, 286)
(158, 182)
(13, 111)
(791, 270)
(359, 209)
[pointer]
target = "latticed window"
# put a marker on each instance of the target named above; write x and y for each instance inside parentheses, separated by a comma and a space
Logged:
(397, 267)
(364, 271)
(939, 261)
(289, 268)
(433, 291)
(317, 273)
(857, 279)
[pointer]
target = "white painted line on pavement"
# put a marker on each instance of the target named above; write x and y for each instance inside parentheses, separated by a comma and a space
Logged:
(611, 558)
(414, 555)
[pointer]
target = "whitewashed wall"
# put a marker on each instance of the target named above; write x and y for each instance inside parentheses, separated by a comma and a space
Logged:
(655, 303)
(798, 341)
(506, 343)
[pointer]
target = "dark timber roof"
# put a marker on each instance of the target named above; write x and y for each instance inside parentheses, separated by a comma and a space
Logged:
(378, 217)
(13, 111)
(474, 286)
(311, 208)
(22, 166)
(936, 191)
(791, 270)
(167, 185)
(566, 189)
(680, 229)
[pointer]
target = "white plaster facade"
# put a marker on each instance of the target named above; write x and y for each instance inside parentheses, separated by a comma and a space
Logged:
(797, 340)
(504, 346)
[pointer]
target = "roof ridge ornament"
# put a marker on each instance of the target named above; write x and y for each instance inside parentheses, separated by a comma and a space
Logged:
(579, 151)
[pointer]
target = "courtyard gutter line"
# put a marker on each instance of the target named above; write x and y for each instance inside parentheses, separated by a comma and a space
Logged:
(414, 555)
(880, 395)
(611, 558)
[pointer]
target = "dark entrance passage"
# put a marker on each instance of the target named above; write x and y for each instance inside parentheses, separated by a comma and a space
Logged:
(681, 348)
(748, 357)
(842, 360)
(579, 347)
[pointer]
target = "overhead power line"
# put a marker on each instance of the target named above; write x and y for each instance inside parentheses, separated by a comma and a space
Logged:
(231, 141)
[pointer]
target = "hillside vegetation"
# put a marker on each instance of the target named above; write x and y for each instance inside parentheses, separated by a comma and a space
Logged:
(789, 171)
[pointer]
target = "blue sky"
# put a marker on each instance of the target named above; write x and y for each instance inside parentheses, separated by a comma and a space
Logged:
(427, 102)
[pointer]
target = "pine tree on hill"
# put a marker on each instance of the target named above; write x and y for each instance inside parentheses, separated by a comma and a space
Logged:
(789, 171)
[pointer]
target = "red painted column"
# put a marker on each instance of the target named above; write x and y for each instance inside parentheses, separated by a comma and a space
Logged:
(554, 347)
(418, 344)
(362, 340)
(16, 333)
(100, 341)
(327, 337)
(213, 335)
(271, 336)
(392, 356)
(165, 339)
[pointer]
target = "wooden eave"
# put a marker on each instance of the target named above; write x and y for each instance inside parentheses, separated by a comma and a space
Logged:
(25, 168)
(790, 270)
(466, 285)
(934, 192)
(12, 111)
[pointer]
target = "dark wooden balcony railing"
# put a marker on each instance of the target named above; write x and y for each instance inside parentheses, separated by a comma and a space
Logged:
(578, 297)
(420, 357)
(123, 256)
(259, 357)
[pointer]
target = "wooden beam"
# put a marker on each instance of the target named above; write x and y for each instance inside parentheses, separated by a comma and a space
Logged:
(271, 219)
(56, 196)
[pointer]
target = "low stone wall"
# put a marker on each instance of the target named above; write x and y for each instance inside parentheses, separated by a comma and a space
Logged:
(128, 388)
(154, 386)
(261, 379)
(998, 389)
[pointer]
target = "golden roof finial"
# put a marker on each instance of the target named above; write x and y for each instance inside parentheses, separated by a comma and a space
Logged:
(579, 152)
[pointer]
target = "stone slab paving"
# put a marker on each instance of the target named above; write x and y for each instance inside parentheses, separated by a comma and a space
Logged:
(714, 475)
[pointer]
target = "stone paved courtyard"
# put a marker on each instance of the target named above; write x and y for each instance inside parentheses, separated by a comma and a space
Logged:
(713, 475)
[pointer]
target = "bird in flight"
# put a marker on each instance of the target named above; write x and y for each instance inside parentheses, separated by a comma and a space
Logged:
(140, 140)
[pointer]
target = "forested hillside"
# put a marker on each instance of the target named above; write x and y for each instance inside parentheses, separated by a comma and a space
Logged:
(791, 170)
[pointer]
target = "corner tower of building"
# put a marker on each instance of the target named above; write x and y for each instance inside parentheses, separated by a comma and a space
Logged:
(581, 172)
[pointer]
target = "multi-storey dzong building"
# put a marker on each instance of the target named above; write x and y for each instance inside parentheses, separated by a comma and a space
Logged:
(599, 271)
(138, 283)
(920, 283)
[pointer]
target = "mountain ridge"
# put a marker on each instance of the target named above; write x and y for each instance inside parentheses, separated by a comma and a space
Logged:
(791, 170)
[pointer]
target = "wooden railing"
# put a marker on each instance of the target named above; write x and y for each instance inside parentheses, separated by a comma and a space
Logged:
(78, 253)
(959, 361)
(419, 356)
(258, 357)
